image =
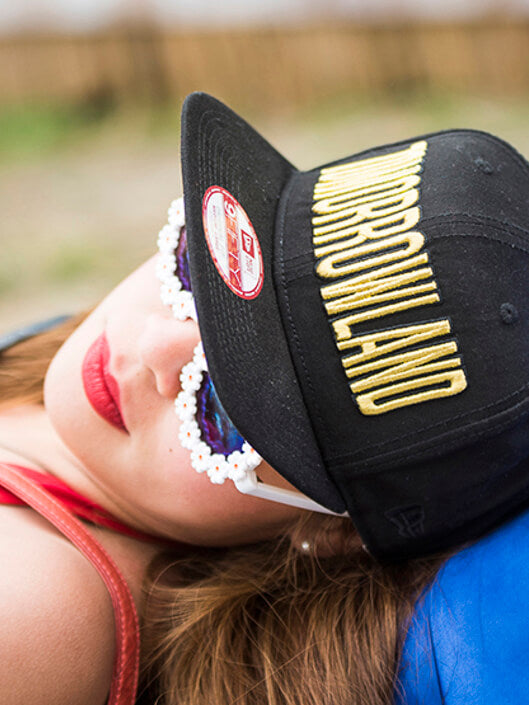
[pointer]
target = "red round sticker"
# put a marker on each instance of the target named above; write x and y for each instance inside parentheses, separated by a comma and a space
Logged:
(232, 242)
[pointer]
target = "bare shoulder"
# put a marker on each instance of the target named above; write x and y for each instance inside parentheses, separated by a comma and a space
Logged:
(57, 642)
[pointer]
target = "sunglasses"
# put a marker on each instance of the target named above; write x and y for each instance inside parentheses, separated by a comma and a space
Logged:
(216, 447)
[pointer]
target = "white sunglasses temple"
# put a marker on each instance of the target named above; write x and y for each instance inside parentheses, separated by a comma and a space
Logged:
(250, 485)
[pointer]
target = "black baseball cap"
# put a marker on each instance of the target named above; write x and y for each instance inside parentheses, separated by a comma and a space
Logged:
(366, 323)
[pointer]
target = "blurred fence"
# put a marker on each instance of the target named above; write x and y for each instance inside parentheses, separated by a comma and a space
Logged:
(266, 67)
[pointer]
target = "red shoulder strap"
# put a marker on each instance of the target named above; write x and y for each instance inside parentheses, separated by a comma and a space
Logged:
(126, 662)
(79, 506)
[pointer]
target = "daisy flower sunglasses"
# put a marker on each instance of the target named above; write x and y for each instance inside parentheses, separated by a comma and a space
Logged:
(216, 447)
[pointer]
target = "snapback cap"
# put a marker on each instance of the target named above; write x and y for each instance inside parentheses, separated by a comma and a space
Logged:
(366, 323)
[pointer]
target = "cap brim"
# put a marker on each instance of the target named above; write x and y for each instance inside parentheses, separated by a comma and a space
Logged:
(244, 340)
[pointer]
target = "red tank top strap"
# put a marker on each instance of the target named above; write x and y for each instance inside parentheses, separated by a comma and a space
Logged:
(126, 664)
(81, 506)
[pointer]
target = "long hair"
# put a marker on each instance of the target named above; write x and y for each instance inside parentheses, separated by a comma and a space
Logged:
(263, 624)
(23, 366)
(268, 624)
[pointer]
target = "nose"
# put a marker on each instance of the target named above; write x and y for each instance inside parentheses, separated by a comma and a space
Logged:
(166, 345)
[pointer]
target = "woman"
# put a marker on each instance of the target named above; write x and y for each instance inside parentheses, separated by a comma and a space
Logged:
(342, 330)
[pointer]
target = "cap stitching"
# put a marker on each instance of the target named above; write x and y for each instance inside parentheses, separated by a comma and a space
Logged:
(493, 139)
(419, 454)
(213, 125)
(483, 237)
(474, 220)
(517, 392)
(287, 195)
(205, 134)
(385, 457)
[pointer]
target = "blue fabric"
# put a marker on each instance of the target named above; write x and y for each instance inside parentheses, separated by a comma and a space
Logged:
(469, 640)
(7, 340)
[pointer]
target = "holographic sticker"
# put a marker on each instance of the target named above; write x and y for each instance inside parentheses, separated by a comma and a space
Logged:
(232, 243)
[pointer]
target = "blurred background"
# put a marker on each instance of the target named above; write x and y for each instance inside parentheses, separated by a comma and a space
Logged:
(90, 96)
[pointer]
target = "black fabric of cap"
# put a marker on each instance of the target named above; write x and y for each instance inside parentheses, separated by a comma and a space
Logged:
(420, 478)
(244, 340)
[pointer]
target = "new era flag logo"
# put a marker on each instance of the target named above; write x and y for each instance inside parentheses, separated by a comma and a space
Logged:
(247, 243)
(409, 520)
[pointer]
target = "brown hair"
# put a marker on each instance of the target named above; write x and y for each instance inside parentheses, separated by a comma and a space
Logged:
(268, 624)
(265, 624)
(23, 366)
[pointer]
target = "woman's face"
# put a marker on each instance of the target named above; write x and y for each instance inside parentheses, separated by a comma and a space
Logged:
(143, 469)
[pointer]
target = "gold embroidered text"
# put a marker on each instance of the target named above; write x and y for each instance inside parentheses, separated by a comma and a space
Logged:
(371, 259)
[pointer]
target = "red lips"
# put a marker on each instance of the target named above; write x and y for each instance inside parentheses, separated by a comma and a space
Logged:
(101, 389)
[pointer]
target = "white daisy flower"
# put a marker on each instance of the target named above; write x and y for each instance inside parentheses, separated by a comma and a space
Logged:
(252, 456)
(179, 309)
(189, 434)
(168, 239)
(184, 306)
(237, 465)
(170, 290)
(191, 377)
(172, 294)
(190, 308)
(201, 457)
(176, 213)
(199, 357)
(165, 266)
(218, 469)
(185, 405)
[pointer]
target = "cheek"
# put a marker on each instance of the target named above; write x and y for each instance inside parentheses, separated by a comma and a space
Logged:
(196, 494)
(218, 514)
(200, 511)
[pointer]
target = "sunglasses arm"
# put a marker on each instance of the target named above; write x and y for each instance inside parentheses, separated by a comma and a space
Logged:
(252, 486)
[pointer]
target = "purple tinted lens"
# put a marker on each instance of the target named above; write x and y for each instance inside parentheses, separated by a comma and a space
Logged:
(182, 265)
(215, 427)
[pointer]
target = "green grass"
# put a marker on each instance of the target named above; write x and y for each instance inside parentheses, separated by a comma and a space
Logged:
(40, 128)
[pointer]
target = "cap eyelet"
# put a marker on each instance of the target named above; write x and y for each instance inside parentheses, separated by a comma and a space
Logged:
(509, 313)
(484, 166)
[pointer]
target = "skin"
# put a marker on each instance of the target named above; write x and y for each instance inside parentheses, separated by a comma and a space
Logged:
(144, 477)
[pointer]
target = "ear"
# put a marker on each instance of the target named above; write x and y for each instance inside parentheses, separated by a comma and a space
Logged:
(324, 537)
